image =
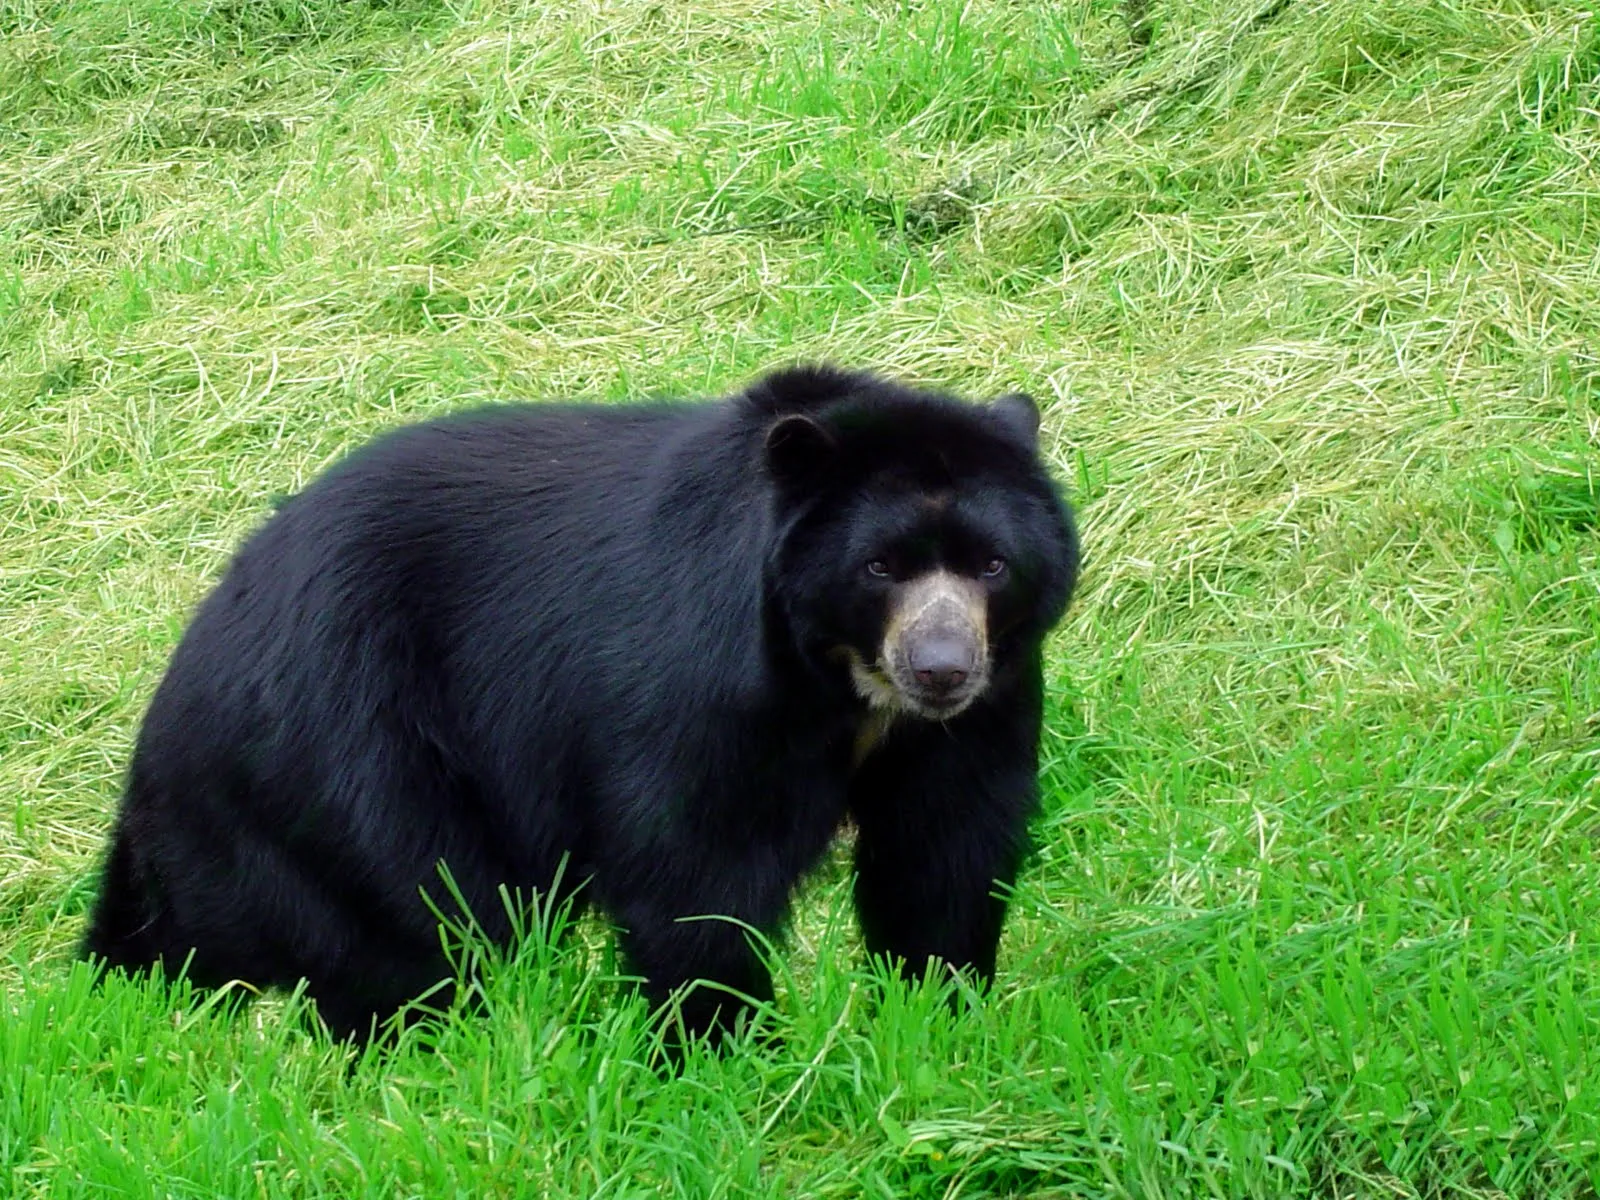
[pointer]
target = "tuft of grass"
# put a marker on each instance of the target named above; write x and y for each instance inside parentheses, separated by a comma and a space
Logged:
(1309, 292)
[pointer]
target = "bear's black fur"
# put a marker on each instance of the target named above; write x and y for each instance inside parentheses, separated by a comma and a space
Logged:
(677, 643)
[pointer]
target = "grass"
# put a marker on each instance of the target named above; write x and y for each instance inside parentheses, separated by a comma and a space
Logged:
(1310, 291)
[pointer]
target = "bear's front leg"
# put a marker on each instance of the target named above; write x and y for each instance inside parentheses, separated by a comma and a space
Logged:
(942, 811)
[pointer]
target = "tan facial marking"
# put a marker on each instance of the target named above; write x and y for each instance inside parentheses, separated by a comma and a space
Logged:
(883, 704)
(870, 683)
(934, 600)
(936, 606)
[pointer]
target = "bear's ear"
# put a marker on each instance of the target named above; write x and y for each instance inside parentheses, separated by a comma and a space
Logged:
(798, 449)
(1019, 414)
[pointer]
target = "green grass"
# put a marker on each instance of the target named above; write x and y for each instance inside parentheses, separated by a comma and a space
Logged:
(1311, 294)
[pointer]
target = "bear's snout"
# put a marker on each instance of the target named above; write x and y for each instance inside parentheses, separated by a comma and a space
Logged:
(936, 645)
(942, 663)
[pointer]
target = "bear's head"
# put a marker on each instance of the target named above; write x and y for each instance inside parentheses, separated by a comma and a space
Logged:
(920, 544)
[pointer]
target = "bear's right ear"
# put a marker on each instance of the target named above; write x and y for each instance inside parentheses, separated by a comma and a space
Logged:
(798, 449)
(1019, 414)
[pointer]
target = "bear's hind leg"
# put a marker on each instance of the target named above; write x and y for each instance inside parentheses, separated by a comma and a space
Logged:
(128, 926)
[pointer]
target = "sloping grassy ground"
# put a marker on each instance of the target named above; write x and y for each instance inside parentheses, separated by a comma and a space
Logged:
(1311, 292)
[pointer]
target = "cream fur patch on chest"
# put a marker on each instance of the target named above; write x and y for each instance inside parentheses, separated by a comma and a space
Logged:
(869, 733)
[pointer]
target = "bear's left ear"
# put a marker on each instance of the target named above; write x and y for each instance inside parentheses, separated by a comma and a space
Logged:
(798, 449)
(1019, 414)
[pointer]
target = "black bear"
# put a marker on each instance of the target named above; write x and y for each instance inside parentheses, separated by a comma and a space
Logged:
(671, 646)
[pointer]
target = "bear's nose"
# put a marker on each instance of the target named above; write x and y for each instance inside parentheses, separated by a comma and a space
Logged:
(941, 664)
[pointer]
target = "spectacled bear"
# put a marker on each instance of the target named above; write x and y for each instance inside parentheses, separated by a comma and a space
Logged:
(674, 644)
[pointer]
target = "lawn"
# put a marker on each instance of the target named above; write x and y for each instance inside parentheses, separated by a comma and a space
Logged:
(1309, 291)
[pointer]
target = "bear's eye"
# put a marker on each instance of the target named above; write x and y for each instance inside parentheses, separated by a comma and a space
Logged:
(878, 569)
(994, 568)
